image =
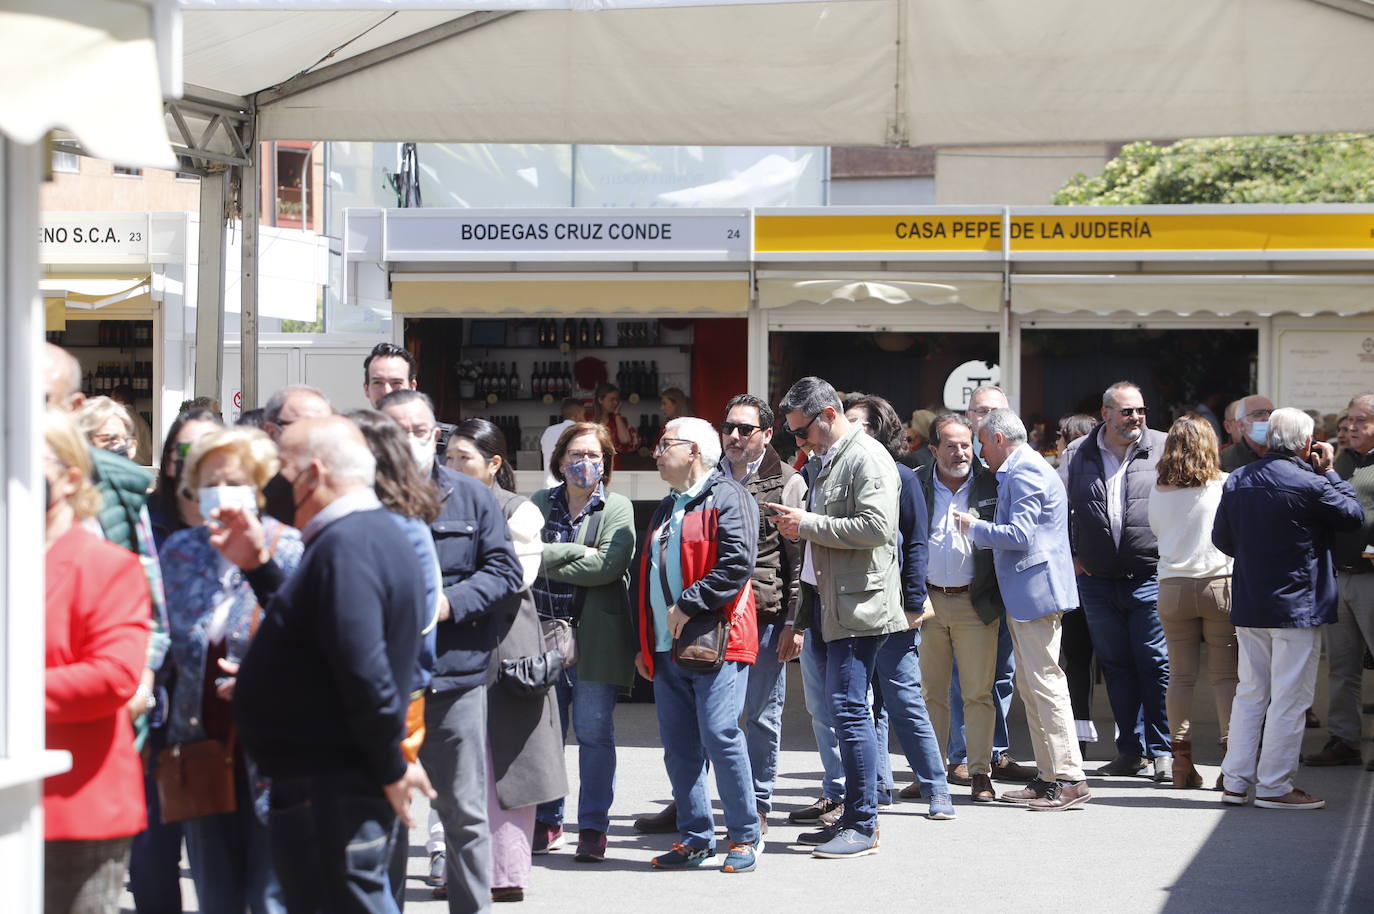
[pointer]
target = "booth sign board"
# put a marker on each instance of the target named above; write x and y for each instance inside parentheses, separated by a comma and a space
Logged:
(1323, 369)
(93, 238)
(1220, 233)
(548, 235)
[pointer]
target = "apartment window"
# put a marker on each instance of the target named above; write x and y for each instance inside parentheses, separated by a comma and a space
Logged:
(131, 172)
(68, 162)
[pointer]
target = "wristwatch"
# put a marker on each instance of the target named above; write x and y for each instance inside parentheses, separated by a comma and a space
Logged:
(148, 696)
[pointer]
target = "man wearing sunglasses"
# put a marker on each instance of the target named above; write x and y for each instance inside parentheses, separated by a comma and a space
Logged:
(1109, 477)
(852, 593)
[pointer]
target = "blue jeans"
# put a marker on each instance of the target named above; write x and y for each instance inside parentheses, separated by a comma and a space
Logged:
(331, 837)
(231, 861)
(897, 696)
(590, 707)
(1002, 690)
(1129, 643)
(822, 719)
(765, 693)
(849, 666)
(698, 720)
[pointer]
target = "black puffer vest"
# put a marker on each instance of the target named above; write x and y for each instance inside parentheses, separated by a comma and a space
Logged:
(1138, 553)
(777, 567)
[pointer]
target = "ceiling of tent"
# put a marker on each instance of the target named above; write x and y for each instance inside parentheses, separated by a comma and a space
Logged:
(861, 72)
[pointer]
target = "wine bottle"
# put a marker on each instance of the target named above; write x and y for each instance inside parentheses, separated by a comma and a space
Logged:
(513, 383)
(653, 379)
(584, 333)
(569, 332)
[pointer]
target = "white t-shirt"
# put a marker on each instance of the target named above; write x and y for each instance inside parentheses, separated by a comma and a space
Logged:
(1182, 522)
(547, 442)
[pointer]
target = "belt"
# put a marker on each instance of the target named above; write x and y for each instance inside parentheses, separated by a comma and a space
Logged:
(1354, 569)
(947, 590)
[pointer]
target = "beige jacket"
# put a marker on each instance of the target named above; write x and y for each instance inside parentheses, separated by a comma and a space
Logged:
(852, 528)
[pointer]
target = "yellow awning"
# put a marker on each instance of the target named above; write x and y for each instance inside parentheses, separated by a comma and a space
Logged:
(975, 294)
(570, 295)
(96, 297)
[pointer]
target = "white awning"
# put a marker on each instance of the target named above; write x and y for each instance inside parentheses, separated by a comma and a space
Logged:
(1261, 295)
(713, 294)
(934, 291)
(89, 67)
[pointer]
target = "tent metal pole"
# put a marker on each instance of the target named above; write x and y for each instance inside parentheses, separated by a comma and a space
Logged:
(214, 197)
(249, 205)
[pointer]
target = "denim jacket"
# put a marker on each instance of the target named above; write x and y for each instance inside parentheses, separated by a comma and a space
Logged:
(197, 579)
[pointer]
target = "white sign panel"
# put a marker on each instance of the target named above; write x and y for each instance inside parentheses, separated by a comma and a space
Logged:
(567, 234)
(967, 378)
(1323, 369)
(93, 238)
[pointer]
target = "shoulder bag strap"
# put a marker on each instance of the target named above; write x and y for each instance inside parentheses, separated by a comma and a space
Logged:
(591, 525)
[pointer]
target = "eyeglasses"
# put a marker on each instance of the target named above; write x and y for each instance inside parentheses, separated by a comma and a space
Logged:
(593, 456)
(801, 432)
(1128, 411)
(419, 432)
(665, 443)
(745, 429)
(980, 410)
(110, 442)
(1259, 414)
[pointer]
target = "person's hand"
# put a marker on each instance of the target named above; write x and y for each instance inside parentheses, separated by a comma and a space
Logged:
(1322, 456)
(790, 644)
(1078, 567)
(641, 667)
(237, 535)
(917, 619)
(963, 520)
(224, 686)
(398, 792)
(786, 519)
(445, 610)
(591, 551)
(677, 620)
(138, 705)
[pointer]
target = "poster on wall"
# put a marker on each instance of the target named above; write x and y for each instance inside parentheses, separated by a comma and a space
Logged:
(1323, 369)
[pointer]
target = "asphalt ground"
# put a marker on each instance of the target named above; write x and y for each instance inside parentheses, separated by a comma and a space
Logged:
(1135, 847)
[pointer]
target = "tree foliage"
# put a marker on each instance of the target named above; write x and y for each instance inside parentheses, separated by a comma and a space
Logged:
(1333, 168)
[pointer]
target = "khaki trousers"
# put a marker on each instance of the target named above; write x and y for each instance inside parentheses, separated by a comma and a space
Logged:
(1045, 693)
(956, 633)
(1191, 611)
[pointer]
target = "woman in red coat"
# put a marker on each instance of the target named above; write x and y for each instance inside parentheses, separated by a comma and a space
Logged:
(98, 608)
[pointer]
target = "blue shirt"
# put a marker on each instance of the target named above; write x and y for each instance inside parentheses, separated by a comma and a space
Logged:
(660, 602)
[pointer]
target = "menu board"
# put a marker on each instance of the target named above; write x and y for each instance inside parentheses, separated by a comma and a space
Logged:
(1323, 369)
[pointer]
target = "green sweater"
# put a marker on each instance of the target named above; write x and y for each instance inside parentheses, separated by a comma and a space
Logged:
(605, 638)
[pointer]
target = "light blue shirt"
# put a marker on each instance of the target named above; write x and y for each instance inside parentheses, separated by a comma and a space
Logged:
(660, 602)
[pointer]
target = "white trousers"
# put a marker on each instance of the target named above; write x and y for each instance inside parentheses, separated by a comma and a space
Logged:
(1278, 676)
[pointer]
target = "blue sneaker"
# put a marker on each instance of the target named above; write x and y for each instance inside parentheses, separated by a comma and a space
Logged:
(743, 856)
(848, 843)
(941, 807)
(682, 856)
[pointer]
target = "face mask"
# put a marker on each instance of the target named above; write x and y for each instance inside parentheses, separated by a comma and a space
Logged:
(296, 502)
(422, 450)
(1259, 431)
(244, 498)
(280, 500)
(584, 474)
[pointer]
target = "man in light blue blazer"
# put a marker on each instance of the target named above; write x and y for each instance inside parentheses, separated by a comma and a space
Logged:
(1029, 537)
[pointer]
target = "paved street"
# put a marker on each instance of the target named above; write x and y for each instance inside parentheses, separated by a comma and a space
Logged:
(1134, 848)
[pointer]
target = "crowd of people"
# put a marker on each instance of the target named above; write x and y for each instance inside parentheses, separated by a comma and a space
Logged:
(264, 649)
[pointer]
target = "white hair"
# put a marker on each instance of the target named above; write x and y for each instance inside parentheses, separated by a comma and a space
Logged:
(699, 432)
(1006, 423)
(339, 446)
(1289, 430)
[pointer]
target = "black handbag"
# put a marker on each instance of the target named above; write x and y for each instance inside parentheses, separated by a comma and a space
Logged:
(532, 676)
(700, 646)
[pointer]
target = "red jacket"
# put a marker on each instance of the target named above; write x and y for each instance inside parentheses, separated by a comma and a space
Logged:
(98, 606)
(719, 548)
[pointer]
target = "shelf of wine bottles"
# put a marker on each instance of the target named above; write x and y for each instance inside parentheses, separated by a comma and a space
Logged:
(554, 379)
(110, 334)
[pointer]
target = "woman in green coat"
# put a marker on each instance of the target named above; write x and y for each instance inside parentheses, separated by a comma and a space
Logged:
(589, 540)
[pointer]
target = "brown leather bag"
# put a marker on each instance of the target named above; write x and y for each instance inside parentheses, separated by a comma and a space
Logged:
(196, 779)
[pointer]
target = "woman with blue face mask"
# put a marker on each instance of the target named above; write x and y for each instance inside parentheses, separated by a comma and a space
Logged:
(588, 542)
(212, 615)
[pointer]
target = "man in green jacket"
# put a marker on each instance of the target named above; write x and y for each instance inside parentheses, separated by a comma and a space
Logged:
(851, 589)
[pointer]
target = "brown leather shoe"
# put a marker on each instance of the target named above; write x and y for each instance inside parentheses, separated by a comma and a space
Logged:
(982, 789)
(911, 791)
(1005, 768)
(1032, 791)
(1061, 795)
(1311, 721)
(958, 775)
(660, 823)
(1293, 799)
(1336, 752)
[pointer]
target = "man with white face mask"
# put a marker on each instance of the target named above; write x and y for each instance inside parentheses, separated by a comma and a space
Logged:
(962, 586)
(1251, 417)
(480, 571)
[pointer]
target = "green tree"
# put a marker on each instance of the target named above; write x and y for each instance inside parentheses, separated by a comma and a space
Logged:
(1333, 168)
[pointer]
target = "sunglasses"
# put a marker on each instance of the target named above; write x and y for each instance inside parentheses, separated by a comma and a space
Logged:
(1128, 411)
(801, 432)
(745, 429)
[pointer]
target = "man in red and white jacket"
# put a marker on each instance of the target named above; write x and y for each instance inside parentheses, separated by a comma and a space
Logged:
(697, 557)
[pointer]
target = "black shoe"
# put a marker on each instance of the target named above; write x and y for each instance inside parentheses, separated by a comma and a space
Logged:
(813, 814)
(820, 836)
(1123, 766)
(660, 823)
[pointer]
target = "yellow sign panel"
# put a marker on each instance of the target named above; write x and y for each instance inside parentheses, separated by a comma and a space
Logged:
(1076, 230)
(1079, 231)
(978, 233)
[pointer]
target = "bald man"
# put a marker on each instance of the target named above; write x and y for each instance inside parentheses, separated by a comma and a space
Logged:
(320, 700)
(284, 408)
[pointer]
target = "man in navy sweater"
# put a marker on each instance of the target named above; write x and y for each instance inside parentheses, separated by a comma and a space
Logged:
(480, 573)
(321, 697)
